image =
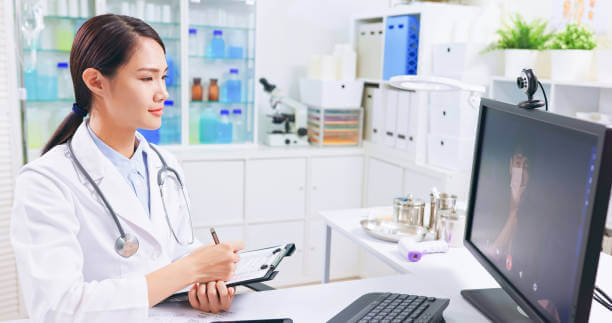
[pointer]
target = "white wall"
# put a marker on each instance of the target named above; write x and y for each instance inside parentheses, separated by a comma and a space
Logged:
(289, 31)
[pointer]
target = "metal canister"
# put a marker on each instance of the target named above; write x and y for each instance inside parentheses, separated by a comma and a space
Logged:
(407, 210)
(446, 202)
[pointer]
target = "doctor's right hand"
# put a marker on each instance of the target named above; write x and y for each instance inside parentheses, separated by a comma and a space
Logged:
(215, 262)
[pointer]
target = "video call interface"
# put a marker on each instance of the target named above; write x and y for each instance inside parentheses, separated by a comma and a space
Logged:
(530, 206)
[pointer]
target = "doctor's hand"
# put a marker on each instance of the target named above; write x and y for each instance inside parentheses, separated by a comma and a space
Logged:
(211, 297)
(214, 262)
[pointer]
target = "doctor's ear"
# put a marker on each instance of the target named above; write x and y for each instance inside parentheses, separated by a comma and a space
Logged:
(94, 80)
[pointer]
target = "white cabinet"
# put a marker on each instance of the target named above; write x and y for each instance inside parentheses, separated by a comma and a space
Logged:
(449, 152)
(344, 254)
(451, 114)
(275, 189)
(216, 190)
(384, 183)
(290, 271)
(336, 183)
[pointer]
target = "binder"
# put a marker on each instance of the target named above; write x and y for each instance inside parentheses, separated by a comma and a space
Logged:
(250, 268)
(401, 46)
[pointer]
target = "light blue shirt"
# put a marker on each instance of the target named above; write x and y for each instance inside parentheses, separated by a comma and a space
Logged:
(133, 170)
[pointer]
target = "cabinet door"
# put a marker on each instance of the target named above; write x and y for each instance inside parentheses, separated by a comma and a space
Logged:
(216, 189)
(336, 183)
(344, 260)
(290, 270)
(275, 189)
(384, 183)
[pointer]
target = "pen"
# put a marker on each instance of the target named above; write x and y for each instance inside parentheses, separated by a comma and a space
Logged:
(214, 235)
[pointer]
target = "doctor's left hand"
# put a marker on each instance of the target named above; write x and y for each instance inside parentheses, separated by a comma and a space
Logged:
(212, 296)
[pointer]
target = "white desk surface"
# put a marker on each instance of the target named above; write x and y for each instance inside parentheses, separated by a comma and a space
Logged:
(456, 270)
(347, 223)
(443, 275)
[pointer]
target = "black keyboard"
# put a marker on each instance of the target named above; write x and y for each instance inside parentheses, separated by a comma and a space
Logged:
(389, 307)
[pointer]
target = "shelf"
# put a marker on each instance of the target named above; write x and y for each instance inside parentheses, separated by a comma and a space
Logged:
(50, 101)
(372, 80)
(62, 51)
(221, 27)
(222, 103)
(51, 17)
(161, 23)
(594, 84)
(208, 58)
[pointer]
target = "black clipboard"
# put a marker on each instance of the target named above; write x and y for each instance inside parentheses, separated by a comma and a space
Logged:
(283, 252)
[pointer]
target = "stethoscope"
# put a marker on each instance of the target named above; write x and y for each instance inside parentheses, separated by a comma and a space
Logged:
(127, 244)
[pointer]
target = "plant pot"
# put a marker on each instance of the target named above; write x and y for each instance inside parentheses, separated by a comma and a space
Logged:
(570, 64)
(518, 59)
(604, 65)
(542, 68)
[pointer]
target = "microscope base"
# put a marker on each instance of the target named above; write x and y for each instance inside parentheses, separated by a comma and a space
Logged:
(286, 140)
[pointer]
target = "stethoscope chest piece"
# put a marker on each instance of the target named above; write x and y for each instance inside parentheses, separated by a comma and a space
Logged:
(127, 245)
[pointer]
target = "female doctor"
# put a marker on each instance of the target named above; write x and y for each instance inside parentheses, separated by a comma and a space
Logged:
(101, 227)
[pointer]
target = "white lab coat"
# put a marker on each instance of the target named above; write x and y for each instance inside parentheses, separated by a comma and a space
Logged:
(63, 236)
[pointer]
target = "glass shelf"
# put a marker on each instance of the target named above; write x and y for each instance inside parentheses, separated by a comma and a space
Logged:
(62, 51)
(221, 58)
(238, 26)
(65, 18)
(222, 103)
(161, 23)
(50, 101)
(221, 27)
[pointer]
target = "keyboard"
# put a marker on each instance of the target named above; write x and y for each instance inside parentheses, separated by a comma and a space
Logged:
(390, 307)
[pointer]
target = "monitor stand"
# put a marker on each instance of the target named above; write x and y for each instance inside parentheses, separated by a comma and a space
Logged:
(495, 304)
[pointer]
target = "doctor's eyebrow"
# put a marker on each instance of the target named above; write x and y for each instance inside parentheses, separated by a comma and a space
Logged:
(151, 69)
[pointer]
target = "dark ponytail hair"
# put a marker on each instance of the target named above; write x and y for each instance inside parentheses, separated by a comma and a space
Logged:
(104, 42)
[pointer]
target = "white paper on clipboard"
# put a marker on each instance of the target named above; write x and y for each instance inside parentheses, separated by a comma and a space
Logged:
(250, 267)
(255, 264)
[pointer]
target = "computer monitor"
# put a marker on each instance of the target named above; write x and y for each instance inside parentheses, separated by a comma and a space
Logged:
(537, 206)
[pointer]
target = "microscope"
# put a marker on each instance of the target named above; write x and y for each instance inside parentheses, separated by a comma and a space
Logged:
(289, 121)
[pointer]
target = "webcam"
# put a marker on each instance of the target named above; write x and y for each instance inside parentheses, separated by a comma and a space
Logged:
(528, 83)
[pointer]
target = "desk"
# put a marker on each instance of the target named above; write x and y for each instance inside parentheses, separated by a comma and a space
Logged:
(319, 303)
(432, 276)
(458, 263)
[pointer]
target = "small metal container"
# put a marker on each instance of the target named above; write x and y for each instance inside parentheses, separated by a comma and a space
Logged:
(408, 211)
(446, 202)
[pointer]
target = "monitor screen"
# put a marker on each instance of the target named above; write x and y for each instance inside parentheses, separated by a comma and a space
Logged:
(530, 206)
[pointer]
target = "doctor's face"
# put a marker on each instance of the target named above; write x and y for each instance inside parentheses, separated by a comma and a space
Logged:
(137, 90)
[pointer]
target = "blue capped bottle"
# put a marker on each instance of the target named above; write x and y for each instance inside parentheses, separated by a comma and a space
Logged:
(233, 87)
(224, 128)
(216, 48)
(239, 132)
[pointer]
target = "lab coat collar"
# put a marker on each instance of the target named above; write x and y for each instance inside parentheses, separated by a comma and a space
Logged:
(117, 191)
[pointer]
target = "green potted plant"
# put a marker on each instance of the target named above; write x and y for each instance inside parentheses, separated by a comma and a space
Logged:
(572, 53)
(521, 41)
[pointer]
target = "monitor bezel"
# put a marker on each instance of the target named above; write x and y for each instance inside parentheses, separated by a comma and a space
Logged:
(596, 212)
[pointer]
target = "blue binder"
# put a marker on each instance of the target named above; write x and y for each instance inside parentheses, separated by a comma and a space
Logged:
(401, 46)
